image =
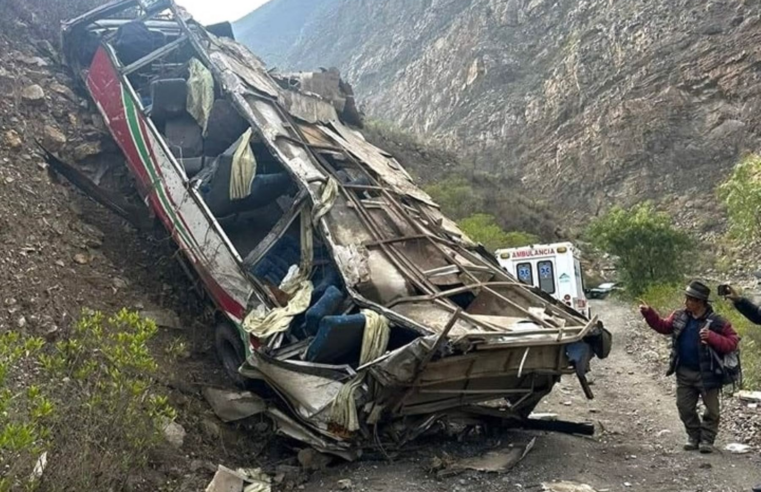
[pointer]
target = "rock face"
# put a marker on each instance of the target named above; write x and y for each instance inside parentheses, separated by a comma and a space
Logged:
(585, 103)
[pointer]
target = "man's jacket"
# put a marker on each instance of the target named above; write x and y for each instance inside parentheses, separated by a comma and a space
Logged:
(722, 338)
(749, 310)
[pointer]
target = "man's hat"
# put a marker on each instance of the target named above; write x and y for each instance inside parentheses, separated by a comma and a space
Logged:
(698, 290)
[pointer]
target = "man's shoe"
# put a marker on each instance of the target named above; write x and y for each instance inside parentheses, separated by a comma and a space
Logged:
(691, 445)
(757, 488)
(706, 448)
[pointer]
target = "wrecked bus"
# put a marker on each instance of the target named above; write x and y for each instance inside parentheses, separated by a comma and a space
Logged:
(340, 283)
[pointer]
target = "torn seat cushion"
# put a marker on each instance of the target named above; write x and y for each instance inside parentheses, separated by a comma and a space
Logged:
(327, 304)
(274, 266)
(169, 98)
(135, 41)
(338, 341)
(184, 136)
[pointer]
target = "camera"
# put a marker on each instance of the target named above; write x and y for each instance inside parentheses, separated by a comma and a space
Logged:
(724, 290)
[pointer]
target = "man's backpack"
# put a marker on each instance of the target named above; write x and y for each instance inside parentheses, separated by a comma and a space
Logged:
(730, 367)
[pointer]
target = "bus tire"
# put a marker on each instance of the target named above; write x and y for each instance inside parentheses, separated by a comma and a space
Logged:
(231, 353)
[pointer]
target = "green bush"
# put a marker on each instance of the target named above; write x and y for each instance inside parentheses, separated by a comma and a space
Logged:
(24, 411)
(648, 248)
(93, 406)
(456, 197)
(483, 228)
(666, 298)
(741, 194)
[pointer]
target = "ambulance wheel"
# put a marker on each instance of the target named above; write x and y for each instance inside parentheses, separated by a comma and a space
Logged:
(231, 353)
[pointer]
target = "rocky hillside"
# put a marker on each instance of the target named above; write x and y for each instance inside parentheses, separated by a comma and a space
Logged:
(583, 102)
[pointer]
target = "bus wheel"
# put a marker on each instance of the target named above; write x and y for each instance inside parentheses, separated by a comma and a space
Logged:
(231, 353)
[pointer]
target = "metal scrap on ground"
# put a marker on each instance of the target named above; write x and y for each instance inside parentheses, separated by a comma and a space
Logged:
(567, 487)
(495, 461)
(231, 406)
(227, 480)
(339, 282)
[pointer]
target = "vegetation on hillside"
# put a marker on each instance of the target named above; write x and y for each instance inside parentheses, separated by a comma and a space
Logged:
(465, 193)
(741, 194)
(82, 413)
(484, 229)
(649, 250)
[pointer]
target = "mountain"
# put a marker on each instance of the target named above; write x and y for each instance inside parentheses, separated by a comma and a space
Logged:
(582, 103)
(273, 29)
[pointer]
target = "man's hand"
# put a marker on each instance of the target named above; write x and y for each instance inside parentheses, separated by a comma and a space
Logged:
(704, 333)
(732, 294)
(643, 306)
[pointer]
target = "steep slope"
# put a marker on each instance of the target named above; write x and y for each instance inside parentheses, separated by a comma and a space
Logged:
(587, 103)
(272, 29)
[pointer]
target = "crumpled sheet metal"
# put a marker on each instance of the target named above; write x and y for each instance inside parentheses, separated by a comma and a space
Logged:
(287, 426)
(242, 480)
(310, 394)
(353, 261)
(380, 164)
(309, 109)
(495, 461)
(238, 60)
(231, 406)
(326, 85)
(400, 366)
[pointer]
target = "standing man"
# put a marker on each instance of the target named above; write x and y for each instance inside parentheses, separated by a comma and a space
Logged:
(695, 331)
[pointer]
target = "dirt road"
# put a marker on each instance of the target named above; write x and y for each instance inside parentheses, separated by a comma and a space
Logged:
(637, 446)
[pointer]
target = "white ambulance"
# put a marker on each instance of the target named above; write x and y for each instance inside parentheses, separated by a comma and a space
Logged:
(553, 268)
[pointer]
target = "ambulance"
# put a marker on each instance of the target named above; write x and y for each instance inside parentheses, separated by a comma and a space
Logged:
(553, 268)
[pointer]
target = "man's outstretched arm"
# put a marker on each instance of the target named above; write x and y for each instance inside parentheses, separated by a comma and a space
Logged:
(654, 320)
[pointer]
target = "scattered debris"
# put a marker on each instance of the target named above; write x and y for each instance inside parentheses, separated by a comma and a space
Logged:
(544, 416)
(39, 466)
(33, 94)
(662, 433)
(227, 480)
(566, 487)
(737, 448)
(497, 461)
(230, 406)
(750, 396)
(345, 484)
(174, 434)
